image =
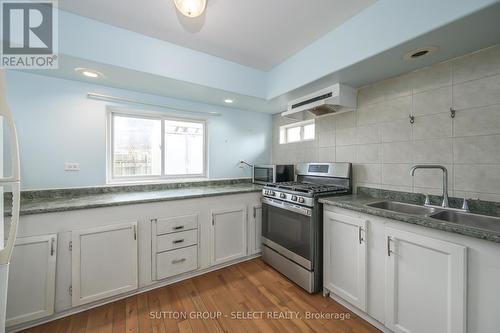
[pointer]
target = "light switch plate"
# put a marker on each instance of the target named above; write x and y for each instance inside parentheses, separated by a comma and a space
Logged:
(71, 166)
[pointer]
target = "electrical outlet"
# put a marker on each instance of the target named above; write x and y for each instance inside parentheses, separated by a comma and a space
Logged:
(71, 166)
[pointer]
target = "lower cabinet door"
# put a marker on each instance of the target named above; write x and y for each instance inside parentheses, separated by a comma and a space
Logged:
(425, 284)
(345, 257)
(104, 262)
(229, 234)
(32, 275)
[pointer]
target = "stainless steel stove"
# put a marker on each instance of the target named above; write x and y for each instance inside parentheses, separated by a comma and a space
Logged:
(292, 220)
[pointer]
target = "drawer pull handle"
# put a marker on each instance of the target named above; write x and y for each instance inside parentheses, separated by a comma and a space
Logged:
(178, 241)
(178, 261)
(179, 227)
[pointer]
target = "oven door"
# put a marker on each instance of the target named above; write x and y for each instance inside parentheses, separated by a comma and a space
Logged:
(288, 229)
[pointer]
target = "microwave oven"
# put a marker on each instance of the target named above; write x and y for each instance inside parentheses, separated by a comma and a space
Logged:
(273, 173)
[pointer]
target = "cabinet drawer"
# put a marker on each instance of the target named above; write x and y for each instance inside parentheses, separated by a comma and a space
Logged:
(176, 240)
(176, 262)
(176, 224)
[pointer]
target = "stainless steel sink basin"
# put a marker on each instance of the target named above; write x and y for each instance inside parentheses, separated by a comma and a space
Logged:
(401, 207)
(472, 220)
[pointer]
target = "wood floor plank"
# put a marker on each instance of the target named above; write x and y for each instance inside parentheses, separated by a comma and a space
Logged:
(131, 322)
(251, 287)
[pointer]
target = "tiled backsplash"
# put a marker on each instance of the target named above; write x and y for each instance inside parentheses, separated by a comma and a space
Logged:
(382, 144)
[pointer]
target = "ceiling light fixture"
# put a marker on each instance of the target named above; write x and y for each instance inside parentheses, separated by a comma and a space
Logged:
(191, 8)
(228, 101)
(90, 73)
(420, 52)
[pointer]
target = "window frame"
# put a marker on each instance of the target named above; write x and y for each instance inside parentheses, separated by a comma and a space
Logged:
(300, 124)
(154, 115)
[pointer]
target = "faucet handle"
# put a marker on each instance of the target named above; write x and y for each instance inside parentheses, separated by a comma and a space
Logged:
(465, 205)
(427, 200)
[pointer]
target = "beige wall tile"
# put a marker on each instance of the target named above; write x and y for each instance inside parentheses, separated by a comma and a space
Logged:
(481, 121)
(477, 93)
(477, 178)
(369, 153)
(366, 173)
(433, 77)
(345, 120)
(326, 139)
(477, 150)
(397, 152)
(396, 174)
(433, 126)
(326, 154)
(367, 134)
(345, 136)
(385, 90)
(369, 114)
(432, 101)
(399, 130)
(345, 153)
(433, 151)
(477, 65)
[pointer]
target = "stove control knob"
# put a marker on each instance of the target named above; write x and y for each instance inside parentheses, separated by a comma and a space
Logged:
(266, 192)
(283, 196)
(301, 200)
(294, 198)
(272, 193)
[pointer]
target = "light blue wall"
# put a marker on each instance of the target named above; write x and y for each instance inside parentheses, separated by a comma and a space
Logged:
(56, 124)
(93, 40)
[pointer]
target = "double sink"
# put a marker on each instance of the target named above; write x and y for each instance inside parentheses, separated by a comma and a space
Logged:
(483, 222)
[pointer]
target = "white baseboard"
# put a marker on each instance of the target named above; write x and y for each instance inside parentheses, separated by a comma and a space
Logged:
(163, 283)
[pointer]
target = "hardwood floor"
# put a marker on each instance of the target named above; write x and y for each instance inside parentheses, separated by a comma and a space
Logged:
(251, 290)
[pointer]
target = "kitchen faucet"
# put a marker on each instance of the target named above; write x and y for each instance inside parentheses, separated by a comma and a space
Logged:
(445, 202)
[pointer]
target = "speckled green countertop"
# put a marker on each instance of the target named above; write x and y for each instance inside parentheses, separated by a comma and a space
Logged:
(37, 202)
(357, 202)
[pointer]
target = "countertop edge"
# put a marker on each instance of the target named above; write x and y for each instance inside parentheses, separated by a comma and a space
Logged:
(33, 211)
(413, 219)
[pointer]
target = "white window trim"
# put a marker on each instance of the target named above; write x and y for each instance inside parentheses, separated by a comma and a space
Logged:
(300, 124)
(110, 179)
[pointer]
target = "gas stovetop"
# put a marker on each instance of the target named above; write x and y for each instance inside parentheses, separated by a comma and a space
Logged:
(313, 180)
(309, 188)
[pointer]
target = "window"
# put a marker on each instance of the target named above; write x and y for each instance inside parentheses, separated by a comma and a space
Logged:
(296, 132)
(155, 147)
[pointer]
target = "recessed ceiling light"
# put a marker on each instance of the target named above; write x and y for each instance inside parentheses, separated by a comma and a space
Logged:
(420, 52)
(93, 74)
(228, 101)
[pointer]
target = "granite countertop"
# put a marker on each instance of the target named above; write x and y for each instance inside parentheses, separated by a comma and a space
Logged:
(357, 203)
(37, 204)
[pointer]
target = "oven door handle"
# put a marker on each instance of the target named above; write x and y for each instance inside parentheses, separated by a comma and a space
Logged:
(283, 205)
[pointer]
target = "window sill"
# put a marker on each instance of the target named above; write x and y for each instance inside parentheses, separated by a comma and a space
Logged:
(157, 181)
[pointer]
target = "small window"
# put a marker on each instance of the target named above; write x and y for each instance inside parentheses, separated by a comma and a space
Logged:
(296, 132)
(154, 147)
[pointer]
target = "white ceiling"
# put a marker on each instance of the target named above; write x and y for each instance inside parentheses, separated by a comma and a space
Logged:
(256, 33)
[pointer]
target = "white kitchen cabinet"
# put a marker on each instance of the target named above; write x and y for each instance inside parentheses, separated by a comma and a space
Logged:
(32, 277)
(257, 228)
(345, 259)
(425, 284)
(104, 262)
(229, 234)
